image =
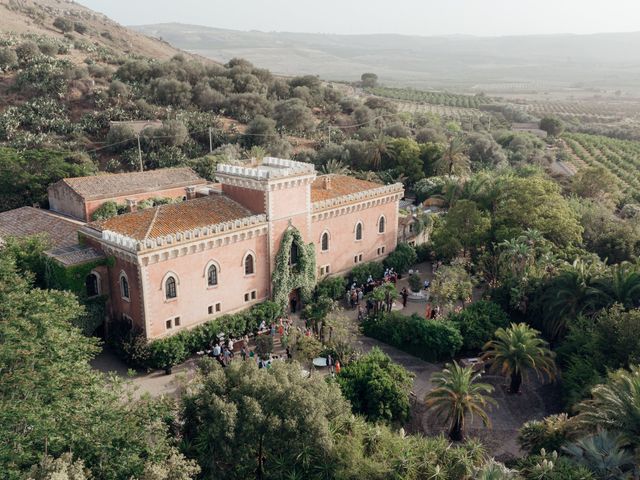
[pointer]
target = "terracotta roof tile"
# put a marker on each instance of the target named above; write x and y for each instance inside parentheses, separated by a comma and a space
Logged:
(173, 218)
(117, 184)
(338, 186)
(25, 221)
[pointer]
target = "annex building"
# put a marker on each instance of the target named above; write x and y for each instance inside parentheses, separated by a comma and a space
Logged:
(177, 265)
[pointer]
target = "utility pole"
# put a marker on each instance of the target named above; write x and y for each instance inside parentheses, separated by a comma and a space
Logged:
(140, 153)
(210, 141)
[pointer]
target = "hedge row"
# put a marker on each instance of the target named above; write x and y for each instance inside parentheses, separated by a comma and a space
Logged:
(434, 340)
(431, 340)
(173, 350)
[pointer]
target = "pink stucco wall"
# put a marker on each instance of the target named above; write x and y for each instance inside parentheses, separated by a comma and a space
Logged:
(343, 246)
(252, 199)
(194, 295)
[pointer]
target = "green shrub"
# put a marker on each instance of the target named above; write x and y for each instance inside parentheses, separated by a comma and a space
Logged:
(80, 27)
(415, 283)
(64, 24)
(106, 210)
(401, 258)
(264, 346)
(478, 322)
(8, 59)
(134, 349)
(431, 340)
(167, 352)
(333, 288)
(377, 387)
(423, 253)
(361, 272)
(551, 434)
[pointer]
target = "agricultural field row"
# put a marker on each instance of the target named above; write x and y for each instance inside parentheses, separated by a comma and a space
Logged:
(620, 157)
(432, 98)
(584, 110)
(450, 113)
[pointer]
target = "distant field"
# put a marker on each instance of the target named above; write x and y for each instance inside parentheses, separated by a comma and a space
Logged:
(450, 113)
(587, 111)
(620, 157)
(432, 98)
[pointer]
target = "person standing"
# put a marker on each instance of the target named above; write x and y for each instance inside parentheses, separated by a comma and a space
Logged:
(243, 353)
(330, 362)
(216, 351)
(337, 368)
(405, 296)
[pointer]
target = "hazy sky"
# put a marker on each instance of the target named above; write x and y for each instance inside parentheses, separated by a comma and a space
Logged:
(419, 17)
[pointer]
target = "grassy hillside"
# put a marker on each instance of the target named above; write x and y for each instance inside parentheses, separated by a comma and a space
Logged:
(22, 17)
(568, 63)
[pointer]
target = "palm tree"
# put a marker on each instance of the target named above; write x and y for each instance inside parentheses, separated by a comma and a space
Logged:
(623, 286)
(517, 350)
(517, 254)
(390, 294)
(456, 394)
(378, 149)
(334, 166)
(604, 454)
(570, 294)
(454, 160)
(615, 406)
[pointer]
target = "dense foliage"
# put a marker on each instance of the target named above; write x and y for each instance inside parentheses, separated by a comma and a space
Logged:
(376, 387)
(430, 340)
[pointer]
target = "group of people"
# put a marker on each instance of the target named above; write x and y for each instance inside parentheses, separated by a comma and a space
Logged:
(223, 352)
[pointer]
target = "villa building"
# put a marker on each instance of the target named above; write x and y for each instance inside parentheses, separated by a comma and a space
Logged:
(177, 265)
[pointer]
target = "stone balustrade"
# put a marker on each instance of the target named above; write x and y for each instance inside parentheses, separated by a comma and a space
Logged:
(356, 197)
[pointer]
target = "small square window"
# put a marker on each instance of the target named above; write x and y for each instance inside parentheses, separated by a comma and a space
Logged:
(246, 297)
(176, 321)
(168, 324)
(210, 309)
(218, 307)
(254, 295)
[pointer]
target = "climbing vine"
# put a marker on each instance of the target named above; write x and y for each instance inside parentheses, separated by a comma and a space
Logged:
(72, 278)
(302, 275)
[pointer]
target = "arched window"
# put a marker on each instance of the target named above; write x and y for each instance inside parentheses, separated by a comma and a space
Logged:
(248, 265)
(324, 241)
(212, 276)
(359, 231)
(293, 254)
(381, 225)
(124, 286)
(170, 288)
(91, 285)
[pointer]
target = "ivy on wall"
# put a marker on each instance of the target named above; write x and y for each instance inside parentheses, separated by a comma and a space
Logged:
(288, 277)
(73, 279)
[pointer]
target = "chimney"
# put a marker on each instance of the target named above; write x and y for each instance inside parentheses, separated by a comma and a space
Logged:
(191, 193)
(132, 205)
(327, 182)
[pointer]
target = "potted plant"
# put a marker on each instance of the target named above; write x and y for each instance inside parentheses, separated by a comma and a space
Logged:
(415, 283)
(168, 352)
(264, 346)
